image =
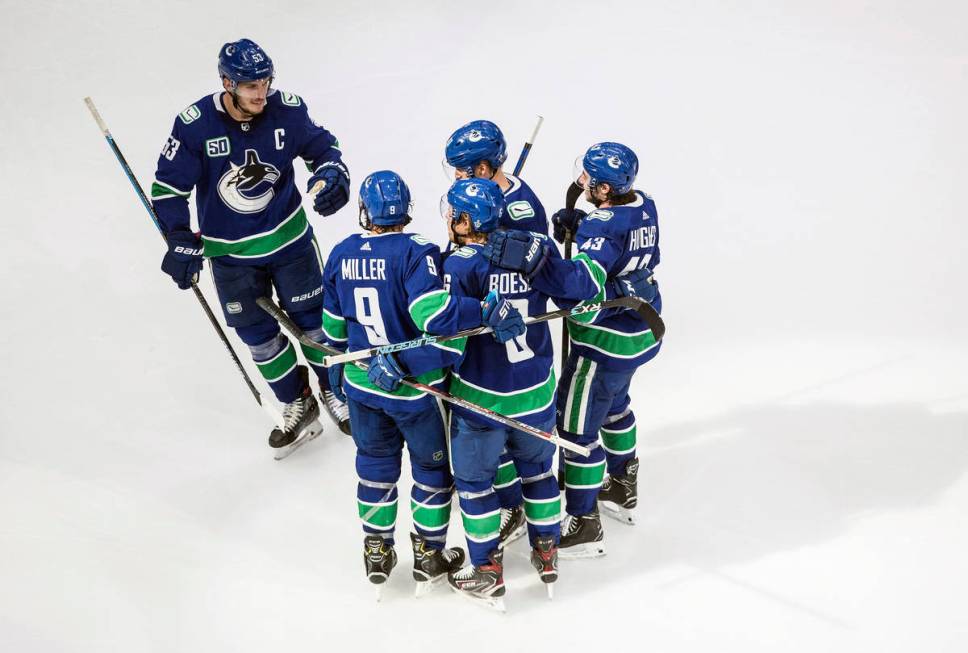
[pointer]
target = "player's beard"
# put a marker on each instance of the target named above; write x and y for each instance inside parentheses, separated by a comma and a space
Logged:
(247, 109)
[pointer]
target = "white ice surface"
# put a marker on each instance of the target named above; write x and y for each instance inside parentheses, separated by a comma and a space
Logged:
(804, 432)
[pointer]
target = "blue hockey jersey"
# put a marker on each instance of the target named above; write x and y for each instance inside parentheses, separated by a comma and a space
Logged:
(611, 242)
(386, 288)
(516, 378)
(525, 211)
(249, 210)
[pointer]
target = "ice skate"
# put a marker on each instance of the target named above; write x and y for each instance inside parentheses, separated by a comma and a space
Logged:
(379, 559)
(544, 558)
(582, 536)
(337, 410)
(513, 525)
(484, 584)
(300, 423)
(430, 566)
(619, 494)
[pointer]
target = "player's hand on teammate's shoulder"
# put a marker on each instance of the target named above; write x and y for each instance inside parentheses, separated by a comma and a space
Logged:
(499, 314)
(331, 185)
(520, 251)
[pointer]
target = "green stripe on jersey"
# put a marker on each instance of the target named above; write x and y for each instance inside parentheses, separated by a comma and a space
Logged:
(288, 231)
(599, 276)
(610, 341)
(357, 378)
(428, 306)
(161, 191)
(513, 404)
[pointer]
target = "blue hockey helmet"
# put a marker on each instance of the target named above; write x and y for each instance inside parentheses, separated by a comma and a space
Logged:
(244, 61)
(481, 199)
(384, 200)
(611, 163)
(478, 140)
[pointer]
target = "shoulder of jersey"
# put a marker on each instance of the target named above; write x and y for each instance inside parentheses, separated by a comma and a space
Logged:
(285, 99)
(350, 244)
(195, 115)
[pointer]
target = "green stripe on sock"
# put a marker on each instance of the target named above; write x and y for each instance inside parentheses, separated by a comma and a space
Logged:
(379, 515)
(334, 326)
(578, 475)
(619, 441)
(481, 528)
(543, 512)
(506, 474)
(312, 355)
(277, 367)
(430, 517)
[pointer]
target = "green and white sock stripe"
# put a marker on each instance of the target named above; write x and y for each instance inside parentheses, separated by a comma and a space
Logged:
(482, 528)
(357, 378)
(584, 476)
(279, 365)
(579, 395)
(611, 341)
(428, 306)
(507, 475)
(513, 404)
(618, 441)
(379, 515)
(430, 516)
(259, 245)
(542, 512)
(162, 191)
(599, 276)
(334, 326)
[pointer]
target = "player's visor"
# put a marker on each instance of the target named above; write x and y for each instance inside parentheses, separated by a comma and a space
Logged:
(452, 173)
(256, 90)
(578, 173)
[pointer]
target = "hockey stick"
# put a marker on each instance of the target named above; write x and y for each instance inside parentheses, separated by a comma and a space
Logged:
(154, 218)
(638, 305)
(527, 148)
(270, 307)
(571, 198)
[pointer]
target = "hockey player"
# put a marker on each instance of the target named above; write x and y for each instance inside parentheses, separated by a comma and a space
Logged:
(618, 247)
(516, 379)
(479, 150)
(383, 286)
(236, 148)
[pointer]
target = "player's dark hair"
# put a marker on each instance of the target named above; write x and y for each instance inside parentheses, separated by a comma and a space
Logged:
(624, 198)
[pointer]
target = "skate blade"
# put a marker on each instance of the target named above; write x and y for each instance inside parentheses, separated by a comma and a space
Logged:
(551, 590)
(516, 534)
(618, 513)
(587, 550)
(490, 602)
(378, 592)
(425, 587)
(311, 432)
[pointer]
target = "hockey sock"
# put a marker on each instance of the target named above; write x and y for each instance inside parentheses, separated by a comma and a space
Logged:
(507, 484)
(276, 360)
(315, 357)
(618, 441)
(480, 512)
(430, 504)
(583, 477)
(542, 500)
(376, 493)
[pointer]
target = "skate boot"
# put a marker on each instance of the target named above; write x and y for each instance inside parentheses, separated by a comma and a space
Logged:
(337, 410)
(619, 495)
(512, 525)
(300, 422)
(379, 559)
(484, 584)
(430, 566)
(582, 536)
(544, 558)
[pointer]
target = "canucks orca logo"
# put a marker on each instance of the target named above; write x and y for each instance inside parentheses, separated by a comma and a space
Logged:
(248, 188)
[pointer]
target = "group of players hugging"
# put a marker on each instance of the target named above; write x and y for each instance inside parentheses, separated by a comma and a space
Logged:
(236, 149)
